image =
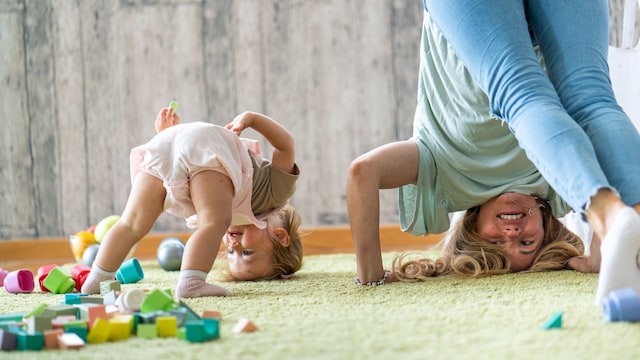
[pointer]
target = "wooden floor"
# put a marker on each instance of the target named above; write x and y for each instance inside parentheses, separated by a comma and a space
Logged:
(33, 253)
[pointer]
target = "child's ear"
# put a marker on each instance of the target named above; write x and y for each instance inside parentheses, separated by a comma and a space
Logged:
(283, 236)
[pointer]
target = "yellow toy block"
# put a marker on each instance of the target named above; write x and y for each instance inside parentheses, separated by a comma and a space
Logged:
(99, 332)
(167, 326)
(121, 327)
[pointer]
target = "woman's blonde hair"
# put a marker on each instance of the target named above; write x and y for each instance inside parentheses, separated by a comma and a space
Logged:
(468, 255)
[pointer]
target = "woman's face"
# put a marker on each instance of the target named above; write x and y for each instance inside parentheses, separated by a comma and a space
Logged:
(249, 252)
(505, 220)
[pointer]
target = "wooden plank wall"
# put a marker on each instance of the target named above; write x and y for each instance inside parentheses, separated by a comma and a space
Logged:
(82, 82)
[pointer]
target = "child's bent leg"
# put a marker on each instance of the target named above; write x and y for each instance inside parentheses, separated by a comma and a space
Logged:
(212, 195)
(144, 205)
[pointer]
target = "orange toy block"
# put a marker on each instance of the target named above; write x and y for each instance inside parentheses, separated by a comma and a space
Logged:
(70, 341)
(211, 314)
(51, 338)
(244, 325)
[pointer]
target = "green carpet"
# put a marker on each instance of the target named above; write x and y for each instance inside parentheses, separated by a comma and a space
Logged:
(321, 315)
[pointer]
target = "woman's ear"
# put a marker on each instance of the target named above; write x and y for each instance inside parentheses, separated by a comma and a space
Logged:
(283, 236)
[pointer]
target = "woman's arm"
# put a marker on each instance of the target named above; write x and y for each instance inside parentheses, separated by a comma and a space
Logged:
(283, 155)
(386, 167)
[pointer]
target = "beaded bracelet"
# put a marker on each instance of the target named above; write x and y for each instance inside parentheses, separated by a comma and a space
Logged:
(374, 283)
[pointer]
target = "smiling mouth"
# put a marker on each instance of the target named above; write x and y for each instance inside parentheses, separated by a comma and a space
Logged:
(511, 216)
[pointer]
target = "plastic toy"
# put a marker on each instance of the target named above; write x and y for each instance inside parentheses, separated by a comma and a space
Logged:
(42, 273)
(89, 254)
(103, 226)
(3, 274)
(19, 281)
(244, 325)
(170, 253)
(79, 243)
(621, 305)
(554, 322)
(174, 106)
(130, 272)
(58, 281)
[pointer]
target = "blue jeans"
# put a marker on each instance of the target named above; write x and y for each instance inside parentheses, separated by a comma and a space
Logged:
(566, 119)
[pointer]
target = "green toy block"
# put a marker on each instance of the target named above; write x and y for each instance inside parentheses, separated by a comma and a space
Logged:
(36, 311)
(58, 281)
(173, 105)
(157, 300)
(147, 331)
(54, 311)
(37, 324)
(30, 341)
(212, 328)
(182, 333)
(99, 332)
(195, 331)
(554, 322)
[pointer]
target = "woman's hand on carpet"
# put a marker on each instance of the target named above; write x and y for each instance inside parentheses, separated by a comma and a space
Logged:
(588, 264)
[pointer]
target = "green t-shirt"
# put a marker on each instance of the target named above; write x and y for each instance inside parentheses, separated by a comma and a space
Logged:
(467, 155)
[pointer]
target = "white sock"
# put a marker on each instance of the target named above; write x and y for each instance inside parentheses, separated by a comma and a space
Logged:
(192, 283)
(619, 251)
(96, 276)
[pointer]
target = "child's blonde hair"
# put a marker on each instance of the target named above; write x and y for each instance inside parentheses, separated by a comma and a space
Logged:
(286, 259)
(468, 255)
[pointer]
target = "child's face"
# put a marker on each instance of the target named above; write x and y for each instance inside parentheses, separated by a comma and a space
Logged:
(249, 252)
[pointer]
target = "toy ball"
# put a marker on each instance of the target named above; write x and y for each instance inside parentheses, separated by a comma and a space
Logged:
(89, 254)
(170, 253)
(103, 227)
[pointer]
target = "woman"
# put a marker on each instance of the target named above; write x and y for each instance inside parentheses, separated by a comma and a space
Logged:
(513, 97)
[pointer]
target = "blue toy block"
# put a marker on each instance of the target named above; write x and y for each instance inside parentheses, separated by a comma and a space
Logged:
(554, 322)
(621, 305)
(8, 340)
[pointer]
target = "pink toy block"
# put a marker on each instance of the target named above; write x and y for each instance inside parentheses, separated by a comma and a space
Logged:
(244, 325)
(70, 341)
(99, 332)
(51, 338)
(167, 326)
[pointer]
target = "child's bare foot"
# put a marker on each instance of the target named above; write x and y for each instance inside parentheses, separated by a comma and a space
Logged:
(192, 283)
(620, 251)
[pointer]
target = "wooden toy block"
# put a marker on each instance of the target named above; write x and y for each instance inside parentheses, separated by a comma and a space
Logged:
(51, 338)
(191, 315)
(60, 321)
(54, 311)
(92, 300)
(211, 314)
(99, 332)
(180, 315)
(157, 300)
(244, 325)
(68, 341)
(30, 341)
(554, 322)
(91, 313)
(212, 327)
(8, 340)
(195, 331)
(182, 333)
(147, 331)
(121, 327)
(77, 323)
(108, 285)
(167, 326)
(109, 298)
(38, 324)
(82, 332)
(36, 311)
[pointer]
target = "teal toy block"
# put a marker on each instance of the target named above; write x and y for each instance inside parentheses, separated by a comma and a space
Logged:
(54, 311)
(554, 322)
(191, 315)
(73, 299)
(212, 328)
(81, 331)
(180, 315)
(8, 340)
(195, 331)
(147, 331)
(157, 300)
(108, 285)
(33, 342)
